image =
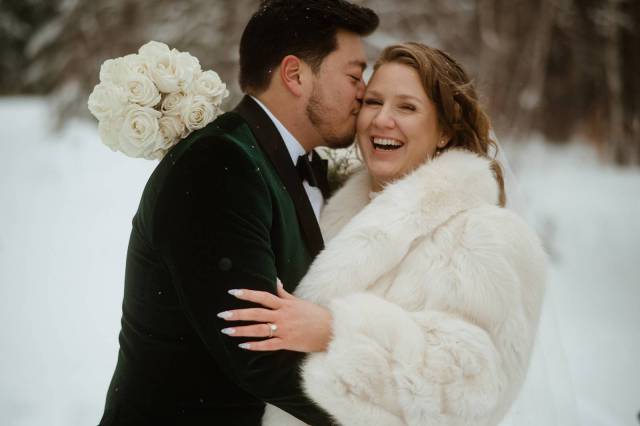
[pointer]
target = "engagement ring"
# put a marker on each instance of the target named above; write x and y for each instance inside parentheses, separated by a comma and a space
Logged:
(272, 329)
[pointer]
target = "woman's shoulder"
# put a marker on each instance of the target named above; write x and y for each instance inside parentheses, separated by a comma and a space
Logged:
(505, 222)
(499, 232)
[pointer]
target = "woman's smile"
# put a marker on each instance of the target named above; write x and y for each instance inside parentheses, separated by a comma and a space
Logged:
(385, 143)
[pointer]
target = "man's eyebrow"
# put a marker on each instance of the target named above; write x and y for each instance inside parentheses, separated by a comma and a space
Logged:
(359, 63)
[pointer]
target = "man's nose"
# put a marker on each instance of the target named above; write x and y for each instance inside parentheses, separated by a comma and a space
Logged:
(360, 91)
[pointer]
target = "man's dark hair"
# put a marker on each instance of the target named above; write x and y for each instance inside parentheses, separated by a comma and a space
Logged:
(305, 28)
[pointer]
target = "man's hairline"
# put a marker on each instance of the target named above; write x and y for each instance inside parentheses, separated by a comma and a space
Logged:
(361, 64)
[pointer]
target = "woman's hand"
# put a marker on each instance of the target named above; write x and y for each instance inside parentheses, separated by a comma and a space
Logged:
(288, 322)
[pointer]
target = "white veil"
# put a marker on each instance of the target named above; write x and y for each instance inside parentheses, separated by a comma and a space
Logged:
(547, 396)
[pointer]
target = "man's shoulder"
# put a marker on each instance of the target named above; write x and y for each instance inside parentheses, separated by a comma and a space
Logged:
(225, 145)
(217, 160)
(228, 135)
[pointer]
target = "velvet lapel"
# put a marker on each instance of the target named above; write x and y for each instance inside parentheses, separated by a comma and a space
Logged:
(272, 144)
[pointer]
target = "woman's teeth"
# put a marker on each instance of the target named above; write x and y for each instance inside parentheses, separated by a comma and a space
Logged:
(386, 144)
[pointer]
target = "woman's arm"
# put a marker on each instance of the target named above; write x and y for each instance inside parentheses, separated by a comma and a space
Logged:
(385, 362)
(423, 367)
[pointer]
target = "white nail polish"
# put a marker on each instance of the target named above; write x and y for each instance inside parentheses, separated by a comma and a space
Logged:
(225, 315)
(245, 345)
(235, 292)
(228, 330)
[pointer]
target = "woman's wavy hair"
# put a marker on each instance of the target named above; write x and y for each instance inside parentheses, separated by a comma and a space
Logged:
(448, 86)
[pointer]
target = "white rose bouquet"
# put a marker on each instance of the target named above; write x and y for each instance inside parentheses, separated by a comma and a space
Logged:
(146, 102)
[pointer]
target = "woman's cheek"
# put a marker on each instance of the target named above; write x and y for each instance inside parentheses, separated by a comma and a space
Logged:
(363, 119)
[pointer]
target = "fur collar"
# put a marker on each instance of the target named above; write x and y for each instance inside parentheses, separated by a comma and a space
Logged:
(462, 175)
(367, 238)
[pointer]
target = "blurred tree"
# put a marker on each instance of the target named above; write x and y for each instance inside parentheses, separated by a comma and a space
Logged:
(19, 20)
(629, 51)
(592, 89)
(562, 68)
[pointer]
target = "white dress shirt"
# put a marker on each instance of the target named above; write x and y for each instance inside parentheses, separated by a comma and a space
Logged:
(296, 150)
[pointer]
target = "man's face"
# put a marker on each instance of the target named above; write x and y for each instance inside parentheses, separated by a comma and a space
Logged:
(337, 92)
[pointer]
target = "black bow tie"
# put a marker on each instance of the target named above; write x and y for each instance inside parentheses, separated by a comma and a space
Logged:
(314, 171)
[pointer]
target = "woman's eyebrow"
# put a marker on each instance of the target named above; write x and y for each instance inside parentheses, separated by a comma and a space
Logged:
(373, 92)
(411, 97)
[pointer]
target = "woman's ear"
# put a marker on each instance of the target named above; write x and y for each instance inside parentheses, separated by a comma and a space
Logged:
(292, 74)
(444, 140)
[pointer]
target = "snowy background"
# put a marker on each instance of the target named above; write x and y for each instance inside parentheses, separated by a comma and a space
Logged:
(66, 203)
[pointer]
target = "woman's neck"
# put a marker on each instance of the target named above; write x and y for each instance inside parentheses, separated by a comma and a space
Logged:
(376, 184)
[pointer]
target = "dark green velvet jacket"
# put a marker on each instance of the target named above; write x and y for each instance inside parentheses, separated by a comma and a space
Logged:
(224, 209)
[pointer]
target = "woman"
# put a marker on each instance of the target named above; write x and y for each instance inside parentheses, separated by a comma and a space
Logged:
(431, 291)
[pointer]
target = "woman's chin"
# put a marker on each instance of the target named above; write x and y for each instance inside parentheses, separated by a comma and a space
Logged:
(382, 177)
(385, 167)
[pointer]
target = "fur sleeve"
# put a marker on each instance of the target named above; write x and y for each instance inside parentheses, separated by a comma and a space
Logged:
(458, 361)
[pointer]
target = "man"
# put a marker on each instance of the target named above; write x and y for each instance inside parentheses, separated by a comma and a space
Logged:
(226, 208)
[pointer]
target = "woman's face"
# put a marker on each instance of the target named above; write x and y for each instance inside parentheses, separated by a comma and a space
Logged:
(397, 129)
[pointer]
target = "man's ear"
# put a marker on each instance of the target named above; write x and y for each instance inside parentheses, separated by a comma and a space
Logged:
(292, 74)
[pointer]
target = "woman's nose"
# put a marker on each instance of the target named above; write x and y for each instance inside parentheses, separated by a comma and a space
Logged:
(383, 118)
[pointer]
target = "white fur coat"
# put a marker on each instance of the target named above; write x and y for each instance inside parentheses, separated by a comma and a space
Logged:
(435, 294)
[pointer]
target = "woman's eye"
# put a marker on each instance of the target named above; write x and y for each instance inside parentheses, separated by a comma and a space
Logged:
(408, 107)
(355, 78)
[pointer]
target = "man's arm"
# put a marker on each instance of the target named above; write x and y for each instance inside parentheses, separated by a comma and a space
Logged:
(212, 224)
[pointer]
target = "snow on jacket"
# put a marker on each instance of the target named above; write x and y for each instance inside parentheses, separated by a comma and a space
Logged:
(435, 293)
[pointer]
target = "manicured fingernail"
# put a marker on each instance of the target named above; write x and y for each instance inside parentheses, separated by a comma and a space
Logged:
(245, 345)
(228, 330)
(235, 293)
(225, 315)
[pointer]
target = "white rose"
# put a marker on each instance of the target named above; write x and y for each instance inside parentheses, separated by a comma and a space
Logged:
(187, 68)
(107, 101)
(115, 71)
(154, 50)
(141, 90)
(197, 111)
(172, 103)
(210, 85)
(140, 133)
(172, 129)
(164, 75)
(171, 70)
(137, 64)
(162, 66)
(109, 131)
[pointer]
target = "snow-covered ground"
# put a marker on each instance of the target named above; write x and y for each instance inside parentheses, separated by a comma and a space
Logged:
(66, 203)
